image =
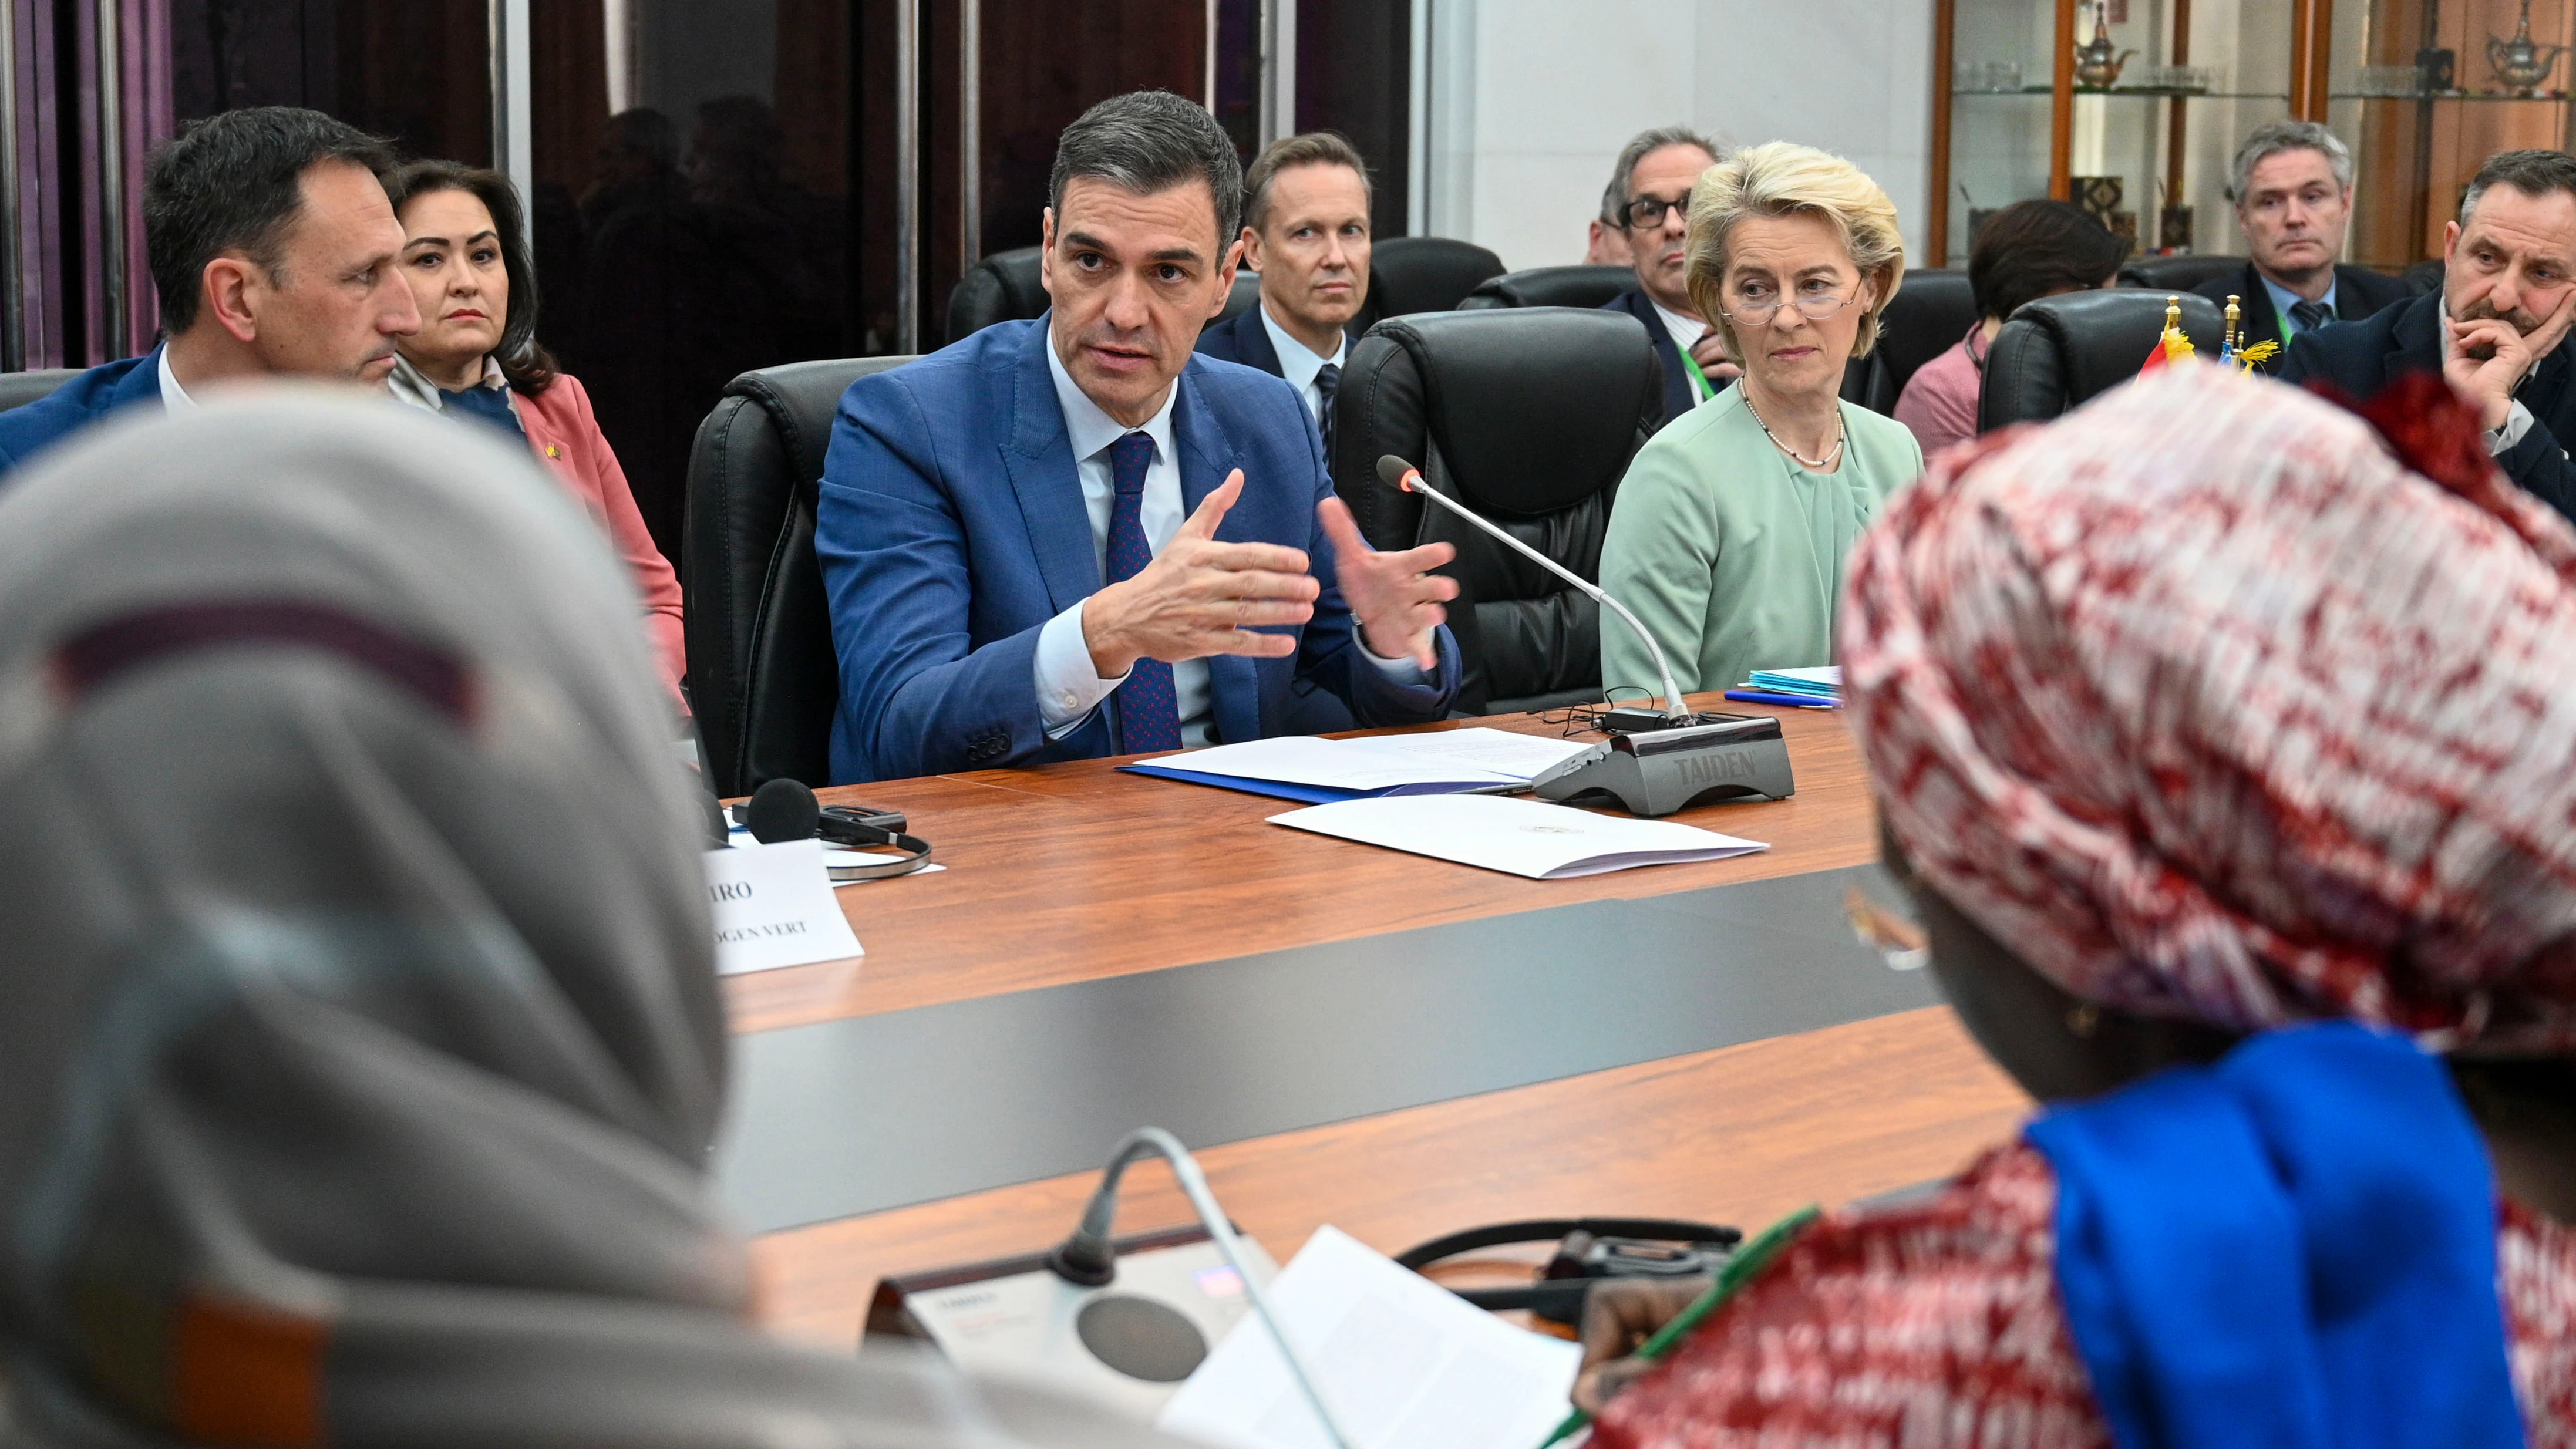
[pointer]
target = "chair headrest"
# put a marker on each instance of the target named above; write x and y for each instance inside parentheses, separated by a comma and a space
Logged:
(1552, 287)
(1927, 317)
(1426, 273)
(2057, 353)
(801, 398)
(2179, 274)
(1533, 409)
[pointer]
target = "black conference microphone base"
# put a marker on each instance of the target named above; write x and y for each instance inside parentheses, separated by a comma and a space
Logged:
(1658, 771)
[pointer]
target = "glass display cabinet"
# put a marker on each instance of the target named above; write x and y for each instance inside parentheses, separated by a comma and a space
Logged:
(2425, 90)
(2131, 108)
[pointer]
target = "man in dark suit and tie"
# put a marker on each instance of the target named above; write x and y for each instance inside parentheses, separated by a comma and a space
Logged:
(2494, 328)
(2292, 185)
(273, 251)
(1655, 173)
(1074, 537)
(1306, 233)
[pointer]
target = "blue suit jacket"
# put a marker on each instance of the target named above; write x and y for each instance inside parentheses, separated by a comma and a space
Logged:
(1243, 339)
(951, 528)
(110, 387)
(1679, 396)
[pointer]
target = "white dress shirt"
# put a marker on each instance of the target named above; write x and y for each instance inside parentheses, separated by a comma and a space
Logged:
(174, 398)
(1687, 331)
(1069, 689)
(1299, 363)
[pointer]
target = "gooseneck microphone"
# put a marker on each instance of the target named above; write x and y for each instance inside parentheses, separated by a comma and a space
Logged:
(1088, 1260)
(1403, 477)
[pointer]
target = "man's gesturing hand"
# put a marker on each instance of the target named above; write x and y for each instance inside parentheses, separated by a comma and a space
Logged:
(1394, 596)
(1200, 597)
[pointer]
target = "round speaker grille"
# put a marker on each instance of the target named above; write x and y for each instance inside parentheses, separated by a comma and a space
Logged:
(1141, 1338)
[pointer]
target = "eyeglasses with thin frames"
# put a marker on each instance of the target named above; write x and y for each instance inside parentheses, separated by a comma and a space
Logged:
(1814, 308)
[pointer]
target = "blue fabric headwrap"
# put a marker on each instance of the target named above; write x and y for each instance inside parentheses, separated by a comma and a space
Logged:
(2294, 1248)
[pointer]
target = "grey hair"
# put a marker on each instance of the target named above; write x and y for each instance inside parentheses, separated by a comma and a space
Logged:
(2533, 172)
(2274, 137)
(1149, 141)
(1614, 197)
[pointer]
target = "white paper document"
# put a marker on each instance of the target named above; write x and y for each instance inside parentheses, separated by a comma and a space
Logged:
(773, 907)
(1521, 837)
(1523, 757)
(1336, 765)
(1444, 761)
(1402, 1362)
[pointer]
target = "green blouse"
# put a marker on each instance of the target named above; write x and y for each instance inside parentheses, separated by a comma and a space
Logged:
(1732, 553)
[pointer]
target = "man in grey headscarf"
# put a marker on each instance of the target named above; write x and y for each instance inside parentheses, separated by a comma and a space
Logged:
(360, 1046)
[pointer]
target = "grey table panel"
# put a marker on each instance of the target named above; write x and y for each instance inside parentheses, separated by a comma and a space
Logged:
(854, 1116)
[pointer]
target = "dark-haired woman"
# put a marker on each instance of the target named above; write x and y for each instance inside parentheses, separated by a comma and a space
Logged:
(2028, 250)
(465, 252)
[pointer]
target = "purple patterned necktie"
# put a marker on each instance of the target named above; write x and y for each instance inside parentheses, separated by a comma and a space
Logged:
(1148, 711)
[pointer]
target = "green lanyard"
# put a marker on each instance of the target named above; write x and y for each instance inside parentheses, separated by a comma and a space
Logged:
(1699, 380)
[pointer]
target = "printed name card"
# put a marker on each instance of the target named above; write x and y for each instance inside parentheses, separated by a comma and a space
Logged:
(774, 907)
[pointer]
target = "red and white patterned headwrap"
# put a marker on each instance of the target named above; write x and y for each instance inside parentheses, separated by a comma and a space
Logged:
(2208, 706)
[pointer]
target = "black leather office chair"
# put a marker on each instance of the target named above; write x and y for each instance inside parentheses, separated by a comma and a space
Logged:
(1528, 416)
(2179, 273)
(2424, 278)
(2056, 353)
(1409, 274)
(1551, 287)
(762, 676)
(1926, 318)
(1004, 287)
(17, 389)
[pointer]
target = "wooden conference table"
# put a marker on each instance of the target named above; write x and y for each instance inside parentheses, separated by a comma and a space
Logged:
(1074, 873)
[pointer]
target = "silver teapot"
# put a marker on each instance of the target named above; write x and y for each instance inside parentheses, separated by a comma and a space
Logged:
(2522, 65)
(2096, 67)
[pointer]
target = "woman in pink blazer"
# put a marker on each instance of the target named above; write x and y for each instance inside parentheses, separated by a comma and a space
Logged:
(476, 354)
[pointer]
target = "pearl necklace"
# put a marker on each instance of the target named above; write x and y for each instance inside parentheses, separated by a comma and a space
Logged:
(1819, 465)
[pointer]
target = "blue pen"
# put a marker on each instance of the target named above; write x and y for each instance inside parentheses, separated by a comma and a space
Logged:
(1764, 696)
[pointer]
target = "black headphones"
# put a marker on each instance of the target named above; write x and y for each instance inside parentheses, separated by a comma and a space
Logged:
(1588, 1250)
(785, 809)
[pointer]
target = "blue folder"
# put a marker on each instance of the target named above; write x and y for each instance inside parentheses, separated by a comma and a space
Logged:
(1309, 794)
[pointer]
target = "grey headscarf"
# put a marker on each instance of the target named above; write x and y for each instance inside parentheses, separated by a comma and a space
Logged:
(360, 1046)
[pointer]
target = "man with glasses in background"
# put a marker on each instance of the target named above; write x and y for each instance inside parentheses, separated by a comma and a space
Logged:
(1653, 178)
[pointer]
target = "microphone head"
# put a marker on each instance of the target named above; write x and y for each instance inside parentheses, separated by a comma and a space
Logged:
(1396, 473)
(783, 809)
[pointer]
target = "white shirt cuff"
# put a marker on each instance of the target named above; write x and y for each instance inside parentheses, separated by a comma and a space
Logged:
(2501, 441)
(1397, 671)
(1069, 689)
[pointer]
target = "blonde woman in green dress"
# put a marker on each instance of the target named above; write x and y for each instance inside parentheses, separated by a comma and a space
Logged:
(1731, 526)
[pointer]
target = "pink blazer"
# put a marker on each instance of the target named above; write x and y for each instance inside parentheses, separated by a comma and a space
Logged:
(560, 427)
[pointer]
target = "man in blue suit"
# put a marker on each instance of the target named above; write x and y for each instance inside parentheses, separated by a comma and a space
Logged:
(273, 251)
(1649, 198)
(1071, 537)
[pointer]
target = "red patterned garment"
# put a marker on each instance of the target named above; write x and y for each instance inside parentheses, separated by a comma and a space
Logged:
(1937, 1326)
(2212, 707)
